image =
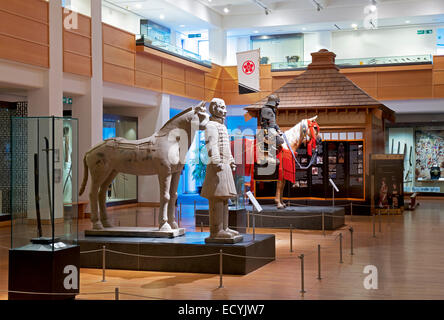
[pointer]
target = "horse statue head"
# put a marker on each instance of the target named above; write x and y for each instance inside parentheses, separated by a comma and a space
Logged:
(311, 134)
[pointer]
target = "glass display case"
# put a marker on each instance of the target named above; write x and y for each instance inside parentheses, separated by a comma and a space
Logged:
(44, 179)
(238, 151)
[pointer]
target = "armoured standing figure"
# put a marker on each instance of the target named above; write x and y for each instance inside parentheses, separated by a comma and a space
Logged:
(219, 185)
(268, 121)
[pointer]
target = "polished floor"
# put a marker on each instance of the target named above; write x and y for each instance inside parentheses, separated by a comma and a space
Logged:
(407, 252)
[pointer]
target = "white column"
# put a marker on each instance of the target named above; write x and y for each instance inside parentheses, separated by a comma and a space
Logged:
(218, 45)
(48, 100)
(150, 122)
(89, 108)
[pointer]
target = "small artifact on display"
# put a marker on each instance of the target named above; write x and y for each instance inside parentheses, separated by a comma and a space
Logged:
(219, 185)
(162, 154)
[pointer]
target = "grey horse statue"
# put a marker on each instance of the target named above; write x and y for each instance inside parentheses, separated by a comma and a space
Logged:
(163, 154)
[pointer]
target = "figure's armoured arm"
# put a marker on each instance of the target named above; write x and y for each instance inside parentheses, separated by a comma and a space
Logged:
(211, 138)
(268, 116)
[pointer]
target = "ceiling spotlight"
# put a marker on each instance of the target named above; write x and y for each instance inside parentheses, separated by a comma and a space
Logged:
(226, 10)
(337, 27)
(267, 11)
(162, 16)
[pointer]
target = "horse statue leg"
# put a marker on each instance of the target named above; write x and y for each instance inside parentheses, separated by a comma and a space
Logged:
(279, 193)
(172, 202)
(164, 184)
(102, 199)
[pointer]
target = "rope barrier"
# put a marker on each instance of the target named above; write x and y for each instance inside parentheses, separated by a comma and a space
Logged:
(247, 257)
(141, 296)
(162, 257)
(91, 251)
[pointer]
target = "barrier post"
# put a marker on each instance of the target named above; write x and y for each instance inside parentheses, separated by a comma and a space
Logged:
(221, 269)
(254, 226)
(379, 219)
(319, 262)
(194, 207)
(351, 211)
(180, 212)
(291, 238)
(302, 273)
(116, 294)
(340, 248)
(248, 221)
(201, 226)
(373, 217)
(103, 263)
(323, 223)
(351, 240)
(154, 217)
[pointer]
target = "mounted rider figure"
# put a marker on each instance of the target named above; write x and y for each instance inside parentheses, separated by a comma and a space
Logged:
(272, 132)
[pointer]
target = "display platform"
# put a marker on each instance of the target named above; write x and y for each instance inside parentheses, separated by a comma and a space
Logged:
(135, 232)
(191, 244)
(237, 219)
(334, 217)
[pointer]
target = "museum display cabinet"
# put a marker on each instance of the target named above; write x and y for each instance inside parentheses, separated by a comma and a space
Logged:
(44, 222)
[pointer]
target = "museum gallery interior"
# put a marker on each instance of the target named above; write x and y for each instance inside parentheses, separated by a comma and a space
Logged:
(221, 149)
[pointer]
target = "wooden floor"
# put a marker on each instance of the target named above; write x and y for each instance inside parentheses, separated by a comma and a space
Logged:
(408, 254)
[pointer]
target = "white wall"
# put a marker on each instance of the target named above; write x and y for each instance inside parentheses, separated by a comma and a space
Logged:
(315, 41)
(383, 42)
(234, 45)
(80, 6)
(121, 19)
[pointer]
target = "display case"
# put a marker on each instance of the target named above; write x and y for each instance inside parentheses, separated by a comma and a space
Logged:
(44, 226)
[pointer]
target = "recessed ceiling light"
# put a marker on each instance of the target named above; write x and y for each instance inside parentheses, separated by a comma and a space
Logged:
(373, 8)
(354, 26)
(138, 6)
(226, 10)
(304, 28)
(407, 21)
(182, 26)
(255, 31)
(162, 16)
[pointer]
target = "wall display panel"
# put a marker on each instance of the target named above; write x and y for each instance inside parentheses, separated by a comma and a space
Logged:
(429, 147)
(342, 161)
(388, 182)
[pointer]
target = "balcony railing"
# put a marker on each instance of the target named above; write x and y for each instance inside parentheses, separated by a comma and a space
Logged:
(359, 62)
(171, 49)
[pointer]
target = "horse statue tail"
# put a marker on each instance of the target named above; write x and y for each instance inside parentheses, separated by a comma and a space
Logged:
(85, 176)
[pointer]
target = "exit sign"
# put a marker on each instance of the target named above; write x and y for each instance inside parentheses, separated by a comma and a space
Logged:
(67, 100)
(424, 31)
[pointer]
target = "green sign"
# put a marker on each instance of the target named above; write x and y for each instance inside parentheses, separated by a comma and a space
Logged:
(424, 31)
(67, 100)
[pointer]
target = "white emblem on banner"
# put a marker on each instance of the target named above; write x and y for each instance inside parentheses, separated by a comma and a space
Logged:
(248, 71)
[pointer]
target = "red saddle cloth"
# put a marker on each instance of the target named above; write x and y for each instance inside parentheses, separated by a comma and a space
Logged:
(287, 167)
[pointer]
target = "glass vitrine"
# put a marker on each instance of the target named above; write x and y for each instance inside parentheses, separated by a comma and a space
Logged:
(44, 179)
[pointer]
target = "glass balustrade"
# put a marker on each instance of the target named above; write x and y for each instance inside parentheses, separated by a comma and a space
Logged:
(359, 62)
(169, 48)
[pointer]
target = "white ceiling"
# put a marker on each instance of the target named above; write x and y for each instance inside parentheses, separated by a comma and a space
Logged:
(246, 17)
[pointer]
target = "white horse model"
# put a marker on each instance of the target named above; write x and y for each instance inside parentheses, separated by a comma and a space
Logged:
(162, 154)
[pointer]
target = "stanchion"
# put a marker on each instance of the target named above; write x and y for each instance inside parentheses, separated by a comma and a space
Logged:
(302, 273)
(103, 263)
(180, 212)
(379, 219)
(351, 240)
(291, 238)
(374, 230)
(248, 221)
(319, 262)
(340, 248)
(201, 226)
(154, 217)
(116, 294)
(351, 211)
(323, 223)
(194, 207)
(221, 269)
(254, 226)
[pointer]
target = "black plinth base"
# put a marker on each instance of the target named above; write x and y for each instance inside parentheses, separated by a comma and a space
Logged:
(309, 218)
(191, 244)
(36, 268)
(237, 219)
